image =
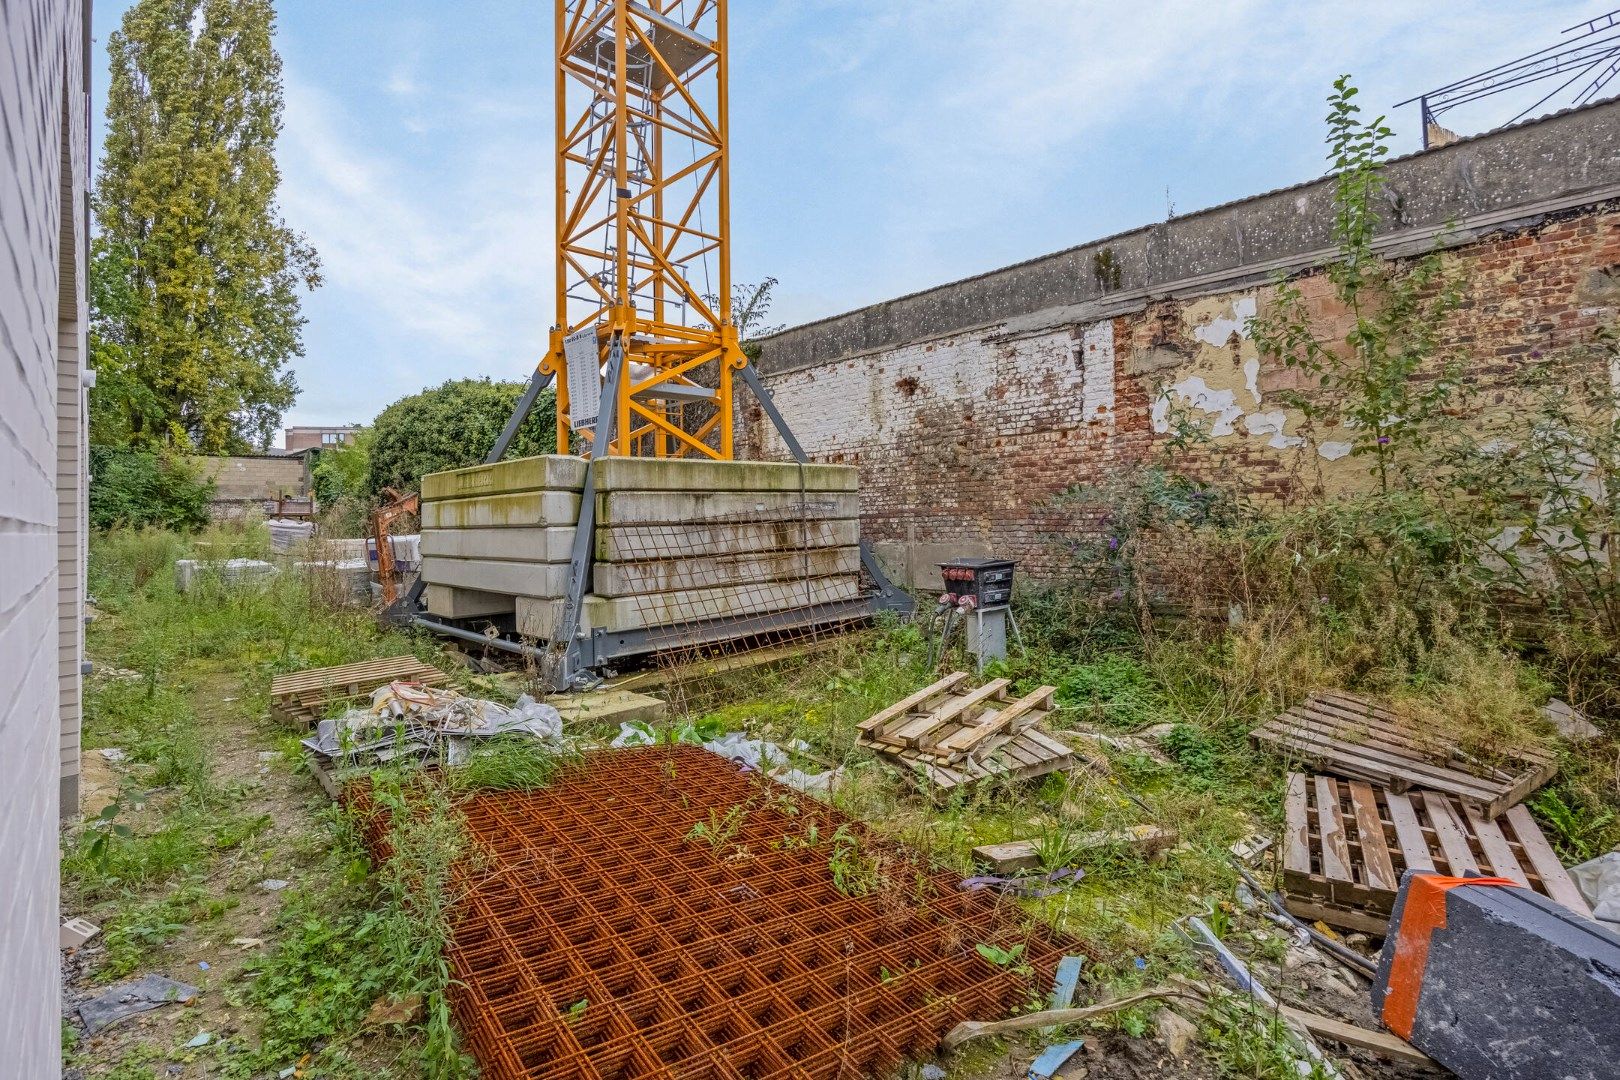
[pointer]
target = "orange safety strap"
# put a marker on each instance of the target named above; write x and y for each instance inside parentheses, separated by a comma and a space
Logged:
(1424, 913)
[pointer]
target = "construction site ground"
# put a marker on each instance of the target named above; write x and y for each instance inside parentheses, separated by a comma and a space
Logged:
(210, 855)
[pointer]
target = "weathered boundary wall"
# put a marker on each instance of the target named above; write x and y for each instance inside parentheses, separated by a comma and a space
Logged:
(248, 481)
(968, 407)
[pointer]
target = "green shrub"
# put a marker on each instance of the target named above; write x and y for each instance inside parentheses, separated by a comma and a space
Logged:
(450, 427)
(134, 487)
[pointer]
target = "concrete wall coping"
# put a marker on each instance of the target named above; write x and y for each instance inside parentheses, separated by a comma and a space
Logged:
(1558, 162)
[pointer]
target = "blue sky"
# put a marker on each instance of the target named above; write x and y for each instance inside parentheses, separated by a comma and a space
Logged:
(878, 148)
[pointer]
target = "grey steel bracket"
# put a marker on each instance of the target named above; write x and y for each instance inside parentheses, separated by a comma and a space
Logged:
(568, 657)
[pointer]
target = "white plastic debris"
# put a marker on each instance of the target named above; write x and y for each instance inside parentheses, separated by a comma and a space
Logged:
(772, 760)
(634, 733)
(1599, 882)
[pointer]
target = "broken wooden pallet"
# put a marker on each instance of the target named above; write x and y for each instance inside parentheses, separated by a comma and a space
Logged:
(1354, 738)
(952, 734)
(1347, 843)
(303, 697)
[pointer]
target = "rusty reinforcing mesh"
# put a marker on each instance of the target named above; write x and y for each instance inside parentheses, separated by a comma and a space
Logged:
(601, 941)
(794, 550)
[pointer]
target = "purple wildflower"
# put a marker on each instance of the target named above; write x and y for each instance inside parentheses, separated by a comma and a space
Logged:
(1383, 440)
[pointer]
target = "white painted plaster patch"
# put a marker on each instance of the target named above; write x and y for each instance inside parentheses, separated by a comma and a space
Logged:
(1333, 451)
(1272, 423)
(1097, 372)
(1218, 331)
(1197, 394)
(1251, 377)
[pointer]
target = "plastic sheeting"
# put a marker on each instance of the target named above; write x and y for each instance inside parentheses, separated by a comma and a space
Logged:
(1599, 882)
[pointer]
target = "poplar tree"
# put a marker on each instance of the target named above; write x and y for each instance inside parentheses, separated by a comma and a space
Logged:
(195, 276)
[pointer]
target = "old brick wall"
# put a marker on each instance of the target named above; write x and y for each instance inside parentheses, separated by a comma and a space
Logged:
(251, 479)
(43, 238)
(966, 437)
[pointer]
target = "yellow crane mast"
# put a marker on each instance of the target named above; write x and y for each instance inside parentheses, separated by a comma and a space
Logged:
(643, 274)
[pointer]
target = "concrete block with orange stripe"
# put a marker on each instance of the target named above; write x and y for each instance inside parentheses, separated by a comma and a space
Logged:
(1495, 981)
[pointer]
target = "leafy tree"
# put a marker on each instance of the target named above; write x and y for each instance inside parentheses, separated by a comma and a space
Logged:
(452, 426)
(1387, 381)
(194, 275)
(135, 487)
(340, 471)
(750, 305)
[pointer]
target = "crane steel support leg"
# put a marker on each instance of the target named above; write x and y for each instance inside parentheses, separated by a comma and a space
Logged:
(568, 663)
(525, 405)
(890, 598)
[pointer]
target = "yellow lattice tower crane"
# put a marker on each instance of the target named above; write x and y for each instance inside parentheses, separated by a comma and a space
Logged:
(643, 337)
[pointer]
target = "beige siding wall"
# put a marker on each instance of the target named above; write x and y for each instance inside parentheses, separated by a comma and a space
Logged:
(43, 162)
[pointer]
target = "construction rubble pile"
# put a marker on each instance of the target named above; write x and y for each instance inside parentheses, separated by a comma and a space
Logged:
(408, 720)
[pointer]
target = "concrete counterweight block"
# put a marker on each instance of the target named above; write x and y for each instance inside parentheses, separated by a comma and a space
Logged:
(1495, 982)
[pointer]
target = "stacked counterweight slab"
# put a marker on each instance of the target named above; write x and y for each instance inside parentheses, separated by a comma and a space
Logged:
(676, 543)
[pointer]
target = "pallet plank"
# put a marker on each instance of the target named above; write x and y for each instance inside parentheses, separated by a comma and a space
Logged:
(1360, 740)
(1408, 833)
(1554, 878)
(1495, 847)
(1330, 824)
(1380, 871)
(967, 738)
(1297, 850)
(905, 705)
(1449, 831)
(1372, 760)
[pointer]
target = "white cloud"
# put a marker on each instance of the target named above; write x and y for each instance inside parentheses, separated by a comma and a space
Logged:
(447, 252)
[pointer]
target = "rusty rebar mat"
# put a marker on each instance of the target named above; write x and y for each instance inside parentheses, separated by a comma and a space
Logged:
(655, 912)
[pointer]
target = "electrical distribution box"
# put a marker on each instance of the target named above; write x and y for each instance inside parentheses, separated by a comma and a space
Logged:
(988, 581)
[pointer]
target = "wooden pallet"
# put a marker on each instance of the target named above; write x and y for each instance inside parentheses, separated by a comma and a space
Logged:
(952, 734)
(303, 697)
(1354, 738)
(1347, 843)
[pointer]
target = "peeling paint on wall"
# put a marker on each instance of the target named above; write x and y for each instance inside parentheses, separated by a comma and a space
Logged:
(1333, 450)
(1272, 423)
(1219, 330)
(1097, 371)
(1195, 393)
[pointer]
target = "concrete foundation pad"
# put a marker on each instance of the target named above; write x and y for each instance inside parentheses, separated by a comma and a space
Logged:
(674, 474)
(676, 574)
(549, 472)
(681, 507)
(448, 602)
(530, 508)
(538, 618)
(495, 576)
(514, 544)
(624, 543)
(607, 709)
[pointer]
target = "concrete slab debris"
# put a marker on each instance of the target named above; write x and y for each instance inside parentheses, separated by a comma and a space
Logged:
(1016, 855)
(1571, 723)
(1496, 982)
(127, 999)
(607, 709)
(188, 572)
(77, 931)
(448, 602)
